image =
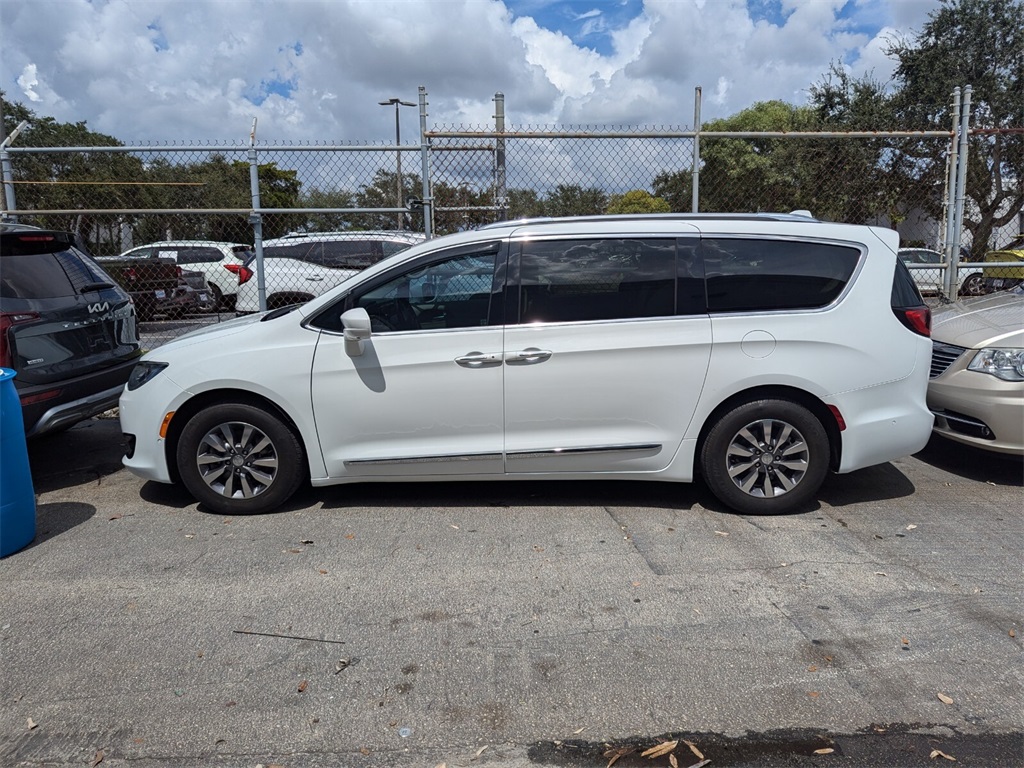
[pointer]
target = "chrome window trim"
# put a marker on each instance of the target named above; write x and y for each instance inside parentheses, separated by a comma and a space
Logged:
(547, 453)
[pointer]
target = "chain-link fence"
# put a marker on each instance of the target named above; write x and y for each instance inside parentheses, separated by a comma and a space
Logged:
(291, 221)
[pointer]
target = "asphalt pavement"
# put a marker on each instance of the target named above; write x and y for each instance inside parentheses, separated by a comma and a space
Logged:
(515, 624)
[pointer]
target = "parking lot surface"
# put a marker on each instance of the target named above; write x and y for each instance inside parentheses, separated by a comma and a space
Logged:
(515, 624)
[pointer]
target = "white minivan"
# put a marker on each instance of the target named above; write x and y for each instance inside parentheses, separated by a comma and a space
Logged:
(756, 351)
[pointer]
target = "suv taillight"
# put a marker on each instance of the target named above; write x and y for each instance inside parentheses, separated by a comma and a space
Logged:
(7, 319)
(917, 319)
(244, 273)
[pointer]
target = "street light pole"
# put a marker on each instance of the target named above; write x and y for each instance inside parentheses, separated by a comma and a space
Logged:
(398, 152)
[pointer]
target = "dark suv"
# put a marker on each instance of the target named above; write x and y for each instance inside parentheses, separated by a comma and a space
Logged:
(66, 329)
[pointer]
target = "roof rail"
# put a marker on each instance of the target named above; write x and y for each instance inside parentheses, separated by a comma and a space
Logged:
(800, 215)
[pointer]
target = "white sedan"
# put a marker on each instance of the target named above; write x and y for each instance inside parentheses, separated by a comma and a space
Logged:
(928, 268)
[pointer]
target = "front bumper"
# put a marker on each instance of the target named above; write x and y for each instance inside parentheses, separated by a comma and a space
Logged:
(978, 409)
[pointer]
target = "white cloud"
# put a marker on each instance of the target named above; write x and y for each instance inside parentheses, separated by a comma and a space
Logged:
(315, 69)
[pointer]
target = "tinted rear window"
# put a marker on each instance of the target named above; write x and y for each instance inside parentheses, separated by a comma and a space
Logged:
(195, 255)
(30, 271)
(746, 275)
(337, 254)
(904, 290)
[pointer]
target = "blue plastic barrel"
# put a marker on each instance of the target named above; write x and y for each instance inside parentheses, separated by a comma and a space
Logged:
(17, 497)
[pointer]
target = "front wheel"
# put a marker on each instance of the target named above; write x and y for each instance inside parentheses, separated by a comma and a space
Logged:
(766, 457)
(237, 459)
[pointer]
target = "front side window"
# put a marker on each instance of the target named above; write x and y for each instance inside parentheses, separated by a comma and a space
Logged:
(597, 279)
(454, 293)
(194, 255)
(745, 275)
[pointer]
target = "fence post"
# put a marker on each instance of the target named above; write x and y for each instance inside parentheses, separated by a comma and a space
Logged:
(961, 194)
(9, 200)
(499, 157)
(256, 218)
(949, 200)
(428, 200)
(695, 173)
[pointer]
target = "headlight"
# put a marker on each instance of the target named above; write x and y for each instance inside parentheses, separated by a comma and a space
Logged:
(143, 372)
(1005, 364)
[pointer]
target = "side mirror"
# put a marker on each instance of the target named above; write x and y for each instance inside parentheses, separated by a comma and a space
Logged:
(357, 329)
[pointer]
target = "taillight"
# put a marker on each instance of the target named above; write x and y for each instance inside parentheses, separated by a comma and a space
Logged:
(917, 319)
(131, 274)
(7, 319)
(180, 272)
(36, 238)
(244, 273)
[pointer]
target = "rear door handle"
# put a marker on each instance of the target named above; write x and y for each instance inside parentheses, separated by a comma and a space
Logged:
(529, 355)
(479, 359)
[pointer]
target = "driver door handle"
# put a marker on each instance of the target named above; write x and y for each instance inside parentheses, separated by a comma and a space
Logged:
(529, 355)
(479, 359)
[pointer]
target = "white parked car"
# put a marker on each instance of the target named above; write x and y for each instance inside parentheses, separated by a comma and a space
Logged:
(756, 351)
(926, 266)
(298, 267)
(218, 261)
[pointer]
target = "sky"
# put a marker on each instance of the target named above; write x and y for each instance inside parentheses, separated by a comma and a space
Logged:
(316, 70)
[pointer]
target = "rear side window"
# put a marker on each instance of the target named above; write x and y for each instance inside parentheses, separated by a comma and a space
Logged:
(200, 255)
(745, 275)
(30, 271)
(601, 279)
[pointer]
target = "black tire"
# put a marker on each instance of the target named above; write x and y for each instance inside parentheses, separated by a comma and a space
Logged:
(237, 459)
(974, 285)
(216, 297)
(766, 457)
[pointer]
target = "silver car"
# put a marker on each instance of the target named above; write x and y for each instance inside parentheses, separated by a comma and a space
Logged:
(976, 389)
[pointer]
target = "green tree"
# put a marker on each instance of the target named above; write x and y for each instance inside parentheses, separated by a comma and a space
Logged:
(978, 43)
(382, 193)
(638, 201)
(574, 200)
(325, 222)
(524, 204)
(676, 188)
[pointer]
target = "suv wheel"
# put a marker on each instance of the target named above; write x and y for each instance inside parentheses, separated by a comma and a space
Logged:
(238, 459)
(766, 457)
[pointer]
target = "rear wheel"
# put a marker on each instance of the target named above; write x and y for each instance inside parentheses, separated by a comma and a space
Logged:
(973, 285)
(238, 459)
(766, 457)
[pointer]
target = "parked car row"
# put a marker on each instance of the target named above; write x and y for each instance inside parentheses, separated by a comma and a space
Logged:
(973, 278)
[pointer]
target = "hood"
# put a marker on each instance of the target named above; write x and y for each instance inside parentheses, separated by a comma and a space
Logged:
(206, 333)
(991, 321)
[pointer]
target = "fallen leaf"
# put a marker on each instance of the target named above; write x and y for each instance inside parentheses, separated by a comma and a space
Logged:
(813, 694)
(190, 535)
(1013, 633)
(306, 541)
(97, 760)
(904, 641)
(939, 753)
(302, 685)
(881, 573)
(672, 761)
(911, 527)
(825, 751)
(579, 730)
(322, 572)
(661, 749)
(454, 526)
(295, 551)
(693, 748)
(812, 669)
(364, 751)
(350, 535)
(480, 751)
(945, 699)
(115, 516)
(32, 724)
(616, 753)
(721, 533)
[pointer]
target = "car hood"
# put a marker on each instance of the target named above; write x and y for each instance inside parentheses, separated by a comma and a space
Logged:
(207, 333)
(995, 320)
